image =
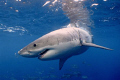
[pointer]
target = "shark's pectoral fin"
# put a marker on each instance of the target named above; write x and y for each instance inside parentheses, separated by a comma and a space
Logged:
(94, 45)
(61, 62)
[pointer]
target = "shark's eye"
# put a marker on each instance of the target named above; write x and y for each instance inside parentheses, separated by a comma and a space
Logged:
(34, 45)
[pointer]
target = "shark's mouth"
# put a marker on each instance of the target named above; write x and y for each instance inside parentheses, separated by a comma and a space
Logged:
(43, 53)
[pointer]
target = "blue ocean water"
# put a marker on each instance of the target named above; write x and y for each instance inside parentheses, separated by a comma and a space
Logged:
(23, 21)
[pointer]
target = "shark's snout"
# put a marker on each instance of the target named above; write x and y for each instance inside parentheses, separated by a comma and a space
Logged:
(19, 52)
(23, 53)
(29, 54)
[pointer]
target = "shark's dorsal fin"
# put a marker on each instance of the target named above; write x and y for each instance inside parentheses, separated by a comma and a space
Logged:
(61, 62)
(94, 45)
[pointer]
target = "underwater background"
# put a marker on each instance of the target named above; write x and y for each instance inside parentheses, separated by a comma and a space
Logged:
(23, 21)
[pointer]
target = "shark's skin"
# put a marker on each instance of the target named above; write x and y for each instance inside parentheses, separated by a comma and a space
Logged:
(60, 44)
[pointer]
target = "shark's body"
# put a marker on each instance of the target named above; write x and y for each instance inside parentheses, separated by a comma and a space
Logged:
(60, 44)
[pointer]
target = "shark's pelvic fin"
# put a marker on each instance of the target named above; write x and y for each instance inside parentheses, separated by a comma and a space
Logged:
(94, 45)
(61, 62)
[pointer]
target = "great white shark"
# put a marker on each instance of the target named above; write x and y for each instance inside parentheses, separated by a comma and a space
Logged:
(66, 42)
(60, 44)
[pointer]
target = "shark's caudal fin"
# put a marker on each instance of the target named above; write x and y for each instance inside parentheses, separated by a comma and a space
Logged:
(94, 45)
